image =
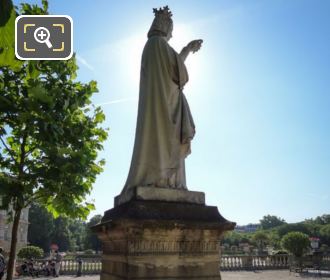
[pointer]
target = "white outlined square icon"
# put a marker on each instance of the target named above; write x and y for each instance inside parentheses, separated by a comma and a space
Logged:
(44, 37)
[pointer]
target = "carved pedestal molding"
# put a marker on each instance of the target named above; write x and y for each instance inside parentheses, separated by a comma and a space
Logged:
(161, 240)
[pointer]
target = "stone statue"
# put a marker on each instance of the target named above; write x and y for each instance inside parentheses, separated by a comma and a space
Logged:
(157, 228)
(165, 126)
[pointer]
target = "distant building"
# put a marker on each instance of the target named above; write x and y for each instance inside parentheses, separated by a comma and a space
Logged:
(5, 230)
(247, 228)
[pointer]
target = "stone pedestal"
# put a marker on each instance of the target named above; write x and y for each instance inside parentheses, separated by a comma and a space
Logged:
(154, 239)
(160, 194)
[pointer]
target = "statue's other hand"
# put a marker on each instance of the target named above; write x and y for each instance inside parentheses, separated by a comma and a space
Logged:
(195, 45)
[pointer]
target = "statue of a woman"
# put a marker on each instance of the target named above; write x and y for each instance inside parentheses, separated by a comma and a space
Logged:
(165, 126)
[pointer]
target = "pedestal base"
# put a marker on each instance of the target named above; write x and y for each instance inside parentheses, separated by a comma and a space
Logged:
(160, 194)
(161, 240)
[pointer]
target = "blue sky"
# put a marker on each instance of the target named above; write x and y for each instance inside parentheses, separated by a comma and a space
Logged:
(259, 92)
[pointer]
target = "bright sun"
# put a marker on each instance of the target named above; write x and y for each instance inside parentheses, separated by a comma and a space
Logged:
(129, 51)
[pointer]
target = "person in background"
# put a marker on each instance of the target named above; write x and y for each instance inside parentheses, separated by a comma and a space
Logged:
(50, 271)
(2, 264)
(24, 270)
(58, 260)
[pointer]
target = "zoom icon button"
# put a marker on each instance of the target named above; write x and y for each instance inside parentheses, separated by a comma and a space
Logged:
(47, 37)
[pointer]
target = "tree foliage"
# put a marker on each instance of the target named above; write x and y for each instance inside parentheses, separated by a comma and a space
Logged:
(296, 243)
(233, 238)
(92, 241)
(274, 239)
(30, 252)
(41, 227)
(78, 234)
(7, 35)
(69, 234)
(62, 235)
(269, 221)
(319, 220)
(261, 239)
(50, 134)
(294, 227)
(325, 234)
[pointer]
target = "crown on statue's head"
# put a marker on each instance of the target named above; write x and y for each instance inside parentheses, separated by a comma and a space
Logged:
(163, 12)
(162, 22)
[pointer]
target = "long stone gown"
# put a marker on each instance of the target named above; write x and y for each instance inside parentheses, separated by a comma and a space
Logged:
(165, 125)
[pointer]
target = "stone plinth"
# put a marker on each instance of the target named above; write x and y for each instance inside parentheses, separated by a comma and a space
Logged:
(145, 239)
(160, 194)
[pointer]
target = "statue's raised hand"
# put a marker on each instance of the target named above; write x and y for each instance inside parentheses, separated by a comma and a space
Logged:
(195, 45)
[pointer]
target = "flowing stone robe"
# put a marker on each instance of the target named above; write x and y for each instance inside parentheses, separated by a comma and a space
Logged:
(165, 125)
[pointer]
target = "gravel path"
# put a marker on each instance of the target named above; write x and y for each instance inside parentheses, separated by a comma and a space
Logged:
(227, 275)
(267, 275)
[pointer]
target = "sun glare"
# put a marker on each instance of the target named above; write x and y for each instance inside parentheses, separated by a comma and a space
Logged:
(128, 53)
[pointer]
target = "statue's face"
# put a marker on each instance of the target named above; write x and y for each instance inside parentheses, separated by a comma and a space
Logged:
(169, 33)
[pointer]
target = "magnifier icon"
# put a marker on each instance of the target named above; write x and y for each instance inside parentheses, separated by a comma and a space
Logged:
(41, 35)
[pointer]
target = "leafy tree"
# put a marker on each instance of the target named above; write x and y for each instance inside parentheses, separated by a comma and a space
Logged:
(92, 241)
(49, 136)
(269, 221)
(78, 233)
(232, 238)
(41, 227)
(325, 234)
(30, 252)
(322, 220)
(296, 243)
(261, 239)
(300, 227)
(7, 35)
(274, 239)
(69, 234)
(62, 235)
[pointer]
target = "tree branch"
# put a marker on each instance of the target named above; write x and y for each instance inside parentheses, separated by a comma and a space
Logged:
(31, 151)
(34, 197)
(22, 157)
(21, 166)
(8, 150)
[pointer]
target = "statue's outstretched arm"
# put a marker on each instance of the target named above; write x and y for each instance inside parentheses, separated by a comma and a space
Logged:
(193, 46)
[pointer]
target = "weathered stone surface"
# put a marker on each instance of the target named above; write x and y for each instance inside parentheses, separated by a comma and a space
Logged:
(158, 212)
(165, 126)
(161, 194)
(161, 240)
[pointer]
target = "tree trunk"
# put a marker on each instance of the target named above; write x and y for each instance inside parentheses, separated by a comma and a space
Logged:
(12, 253)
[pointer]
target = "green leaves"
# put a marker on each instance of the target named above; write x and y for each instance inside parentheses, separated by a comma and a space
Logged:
(296, 243)
(52, 138)
(7, 35)
(27, 9)
(30, 252)
(39, 94)
(270, 221)
(32, 70)
(7, 31)
(99, 117)
(45, 5)
(93, 86)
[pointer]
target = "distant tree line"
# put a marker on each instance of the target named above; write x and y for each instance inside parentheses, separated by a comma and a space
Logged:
(273, 229)
(69, 234)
